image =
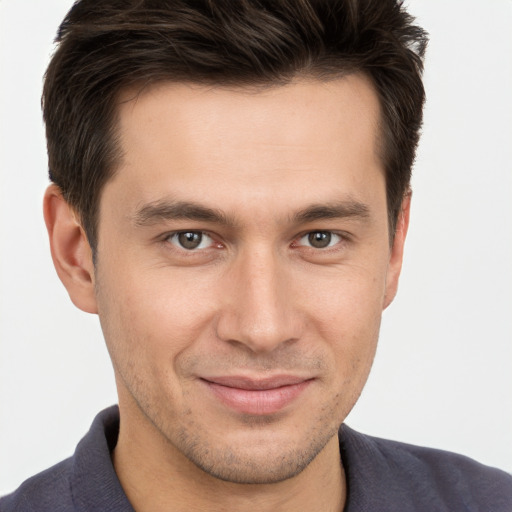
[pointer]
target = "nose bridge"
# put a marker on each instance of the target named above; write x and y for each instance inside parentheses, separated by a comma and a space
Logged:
(259, 313)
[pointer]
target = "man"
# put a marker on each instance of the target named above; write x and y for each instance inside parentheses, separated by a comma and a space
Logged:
(231, 196)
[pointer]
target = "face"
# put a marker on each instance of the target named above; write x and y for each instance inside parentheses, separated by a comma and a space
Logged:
(243, 264)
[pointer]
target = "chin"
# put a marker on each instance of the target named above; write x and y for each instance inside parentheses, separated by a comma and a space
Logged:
(252, 469)
(262, 461)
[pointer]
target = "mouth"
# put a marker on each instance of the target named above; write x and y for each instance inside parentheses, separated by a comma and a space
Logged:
(263, 396)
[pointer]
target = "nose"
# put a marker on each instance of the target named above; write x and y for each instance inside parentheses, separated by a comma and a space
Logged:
(258, 304)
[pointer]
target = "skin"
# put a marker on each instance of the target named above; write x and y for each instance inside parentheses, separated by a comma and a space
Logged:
(255, 300)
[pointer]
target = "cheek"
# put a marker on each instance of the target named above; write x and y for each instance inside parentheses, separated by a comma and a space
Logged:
(347, 313)
(150, 318)
(349, 300)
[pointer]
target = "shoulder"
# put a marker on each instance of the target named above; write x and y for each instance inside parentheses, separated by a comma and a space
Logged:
(85, 481)
(423, 478)
(44, 492)
(449, 473)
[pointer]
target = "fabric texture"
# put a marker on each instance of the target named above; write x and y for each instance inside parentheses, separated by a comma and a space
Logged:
(382, 476)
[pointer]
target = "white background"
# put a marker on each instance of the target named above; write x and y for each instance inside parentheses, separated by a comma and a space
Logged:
(443, 373)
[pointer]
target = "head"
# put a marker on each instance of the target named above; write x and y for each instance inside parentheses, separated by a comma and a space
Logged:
(105, 48)
(240, 170)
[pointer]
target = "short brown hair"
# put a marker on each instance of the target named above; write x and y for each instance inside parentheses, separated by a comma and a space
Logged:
(106, 46)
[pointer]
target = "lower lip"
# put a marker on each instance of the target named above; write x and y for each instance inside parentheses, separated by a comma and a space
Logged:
(257, 401)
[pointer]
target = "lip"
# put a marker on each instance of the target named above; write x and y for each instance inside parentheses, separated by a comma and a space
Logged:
(263, 396)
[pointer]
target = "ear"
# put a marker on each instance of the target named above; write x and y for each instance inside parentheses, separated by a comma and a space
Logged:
(397, 251)
(71, 252)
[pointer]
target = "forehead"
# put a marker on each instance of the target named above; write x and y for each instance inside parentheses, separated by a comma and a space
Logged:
(306, 108)
(239, 146)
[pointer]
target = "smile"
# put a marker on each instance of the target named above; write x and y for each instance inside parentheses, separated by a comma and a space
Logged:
(257, 396)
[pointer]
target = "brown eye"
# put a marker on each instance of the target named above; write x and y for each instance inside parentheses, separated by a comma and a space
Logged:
(319, 239)
(190, 240)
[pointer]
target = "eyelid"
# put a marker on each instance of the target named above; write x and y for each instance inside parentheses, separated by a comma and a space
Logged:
(342, 237)
(168, 238)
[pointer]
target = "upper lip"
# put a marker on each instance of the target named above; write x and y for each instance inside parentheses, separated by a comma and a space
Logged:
(262, 383)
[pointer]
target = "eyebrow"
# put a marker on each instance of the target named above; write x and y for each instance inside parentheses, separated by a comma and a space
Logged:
(165, 210)
(337, 210)
(158, 211)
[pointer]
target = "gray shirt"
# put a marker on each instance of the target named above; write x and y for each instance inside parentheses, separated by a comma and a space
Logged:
(382, 476)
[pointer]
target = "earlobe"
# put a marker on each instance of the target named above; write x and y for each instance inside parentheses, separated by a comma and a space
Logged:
(71, 252)
(397, 251)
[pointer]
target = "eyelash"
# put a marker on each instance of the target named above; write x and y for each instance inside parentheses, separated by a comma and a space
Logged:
(339, 238)
(330, 234)
(169, 239)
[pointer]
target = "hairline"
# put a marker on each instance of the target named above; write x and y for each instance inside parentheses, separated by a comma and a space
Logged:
(132, 91)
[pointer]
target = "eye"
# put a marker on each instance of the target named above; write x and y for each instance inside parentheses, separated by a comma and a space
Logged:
(320, 239)
(190, 240)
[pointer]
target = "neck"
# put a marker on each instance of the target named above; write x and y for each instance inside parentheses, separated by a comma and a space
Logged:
(156, 477)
